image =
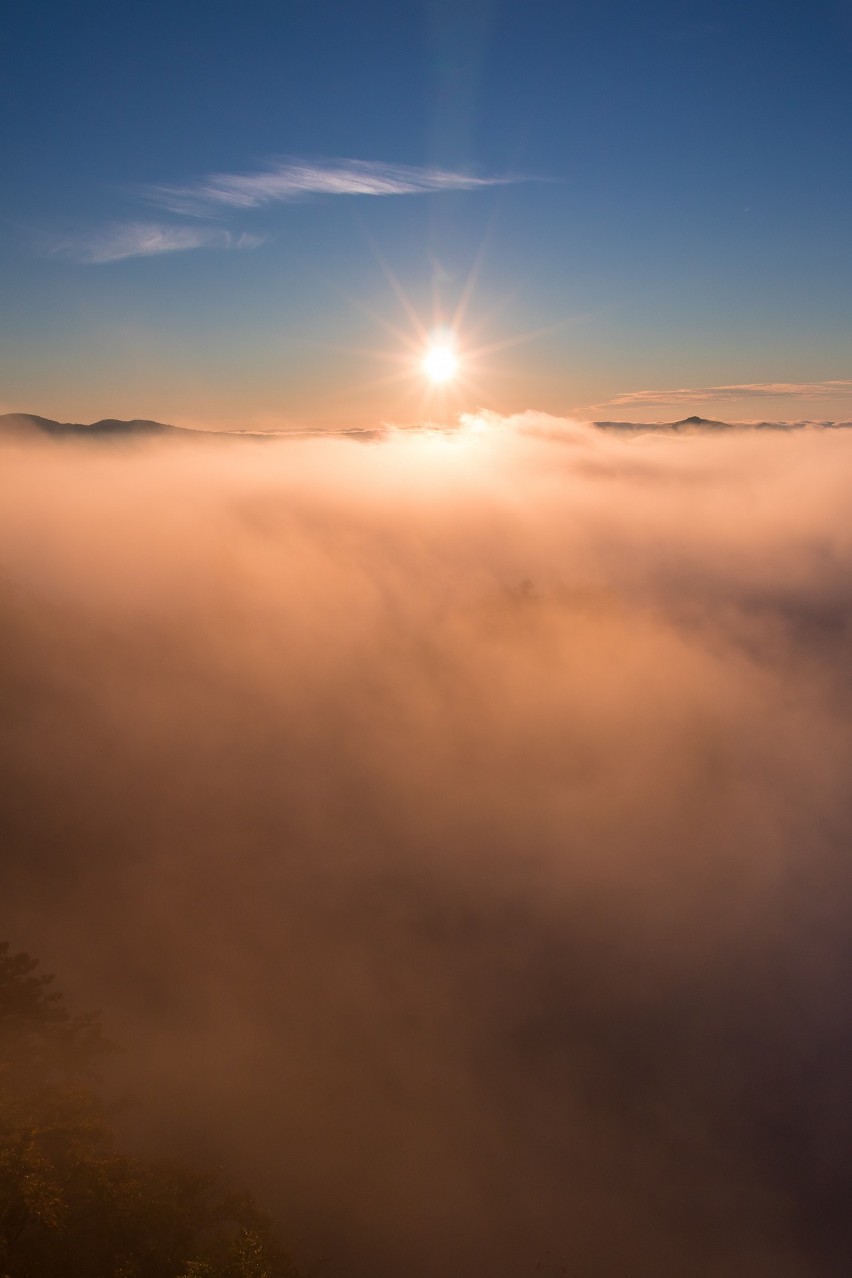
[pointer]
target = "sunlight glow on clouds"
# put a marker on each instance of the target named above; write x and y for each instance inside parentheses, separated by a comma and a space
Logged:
(516, 756)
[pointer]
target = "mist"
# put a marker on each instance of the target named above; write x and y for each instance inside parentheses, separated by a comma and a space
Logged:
(453, 829)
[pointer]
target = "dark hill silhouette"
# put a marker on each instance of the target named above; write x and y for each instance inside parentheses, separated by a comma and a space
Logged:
(24, 426)
(21, 425)
(700, 425)
(685, 424)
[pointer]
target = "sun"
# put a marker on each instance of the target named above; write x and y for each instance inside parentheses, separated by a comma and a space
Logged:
(440, 363)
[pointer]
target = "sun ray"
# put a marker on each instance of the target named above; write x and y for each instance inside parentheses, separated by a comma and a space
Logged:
(399, 292)
(516, 339)
(470, 284)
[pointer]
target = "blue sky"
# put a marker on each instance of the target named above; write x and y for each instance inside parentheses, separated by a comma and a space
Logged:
(255, 215)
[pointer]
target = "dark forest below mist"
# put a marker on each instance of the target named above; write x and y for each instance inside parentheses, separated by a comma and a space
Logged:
(70, 1202)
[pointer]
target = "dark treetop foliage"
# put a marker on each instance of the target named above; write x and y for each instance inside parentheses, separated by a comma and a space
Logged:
(71, 1204)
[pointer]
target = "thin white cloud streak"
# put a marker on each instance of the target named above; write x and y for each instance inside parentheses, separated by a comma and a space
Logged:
(290, 180)
(840, 388)
(121, 240)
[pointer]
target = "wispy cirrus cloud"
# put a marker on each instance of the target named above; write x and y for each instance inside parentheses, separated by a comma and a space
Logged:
(119, 240)
(839, 388)
(220, 195)
(292, 179)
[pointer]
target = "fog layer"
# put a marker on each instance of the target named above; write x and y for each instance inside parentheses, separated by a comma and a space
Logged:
(454, 830)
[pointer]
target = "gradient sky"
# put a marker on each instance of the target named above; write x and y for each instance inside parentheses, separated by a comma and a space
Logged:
(250, 215)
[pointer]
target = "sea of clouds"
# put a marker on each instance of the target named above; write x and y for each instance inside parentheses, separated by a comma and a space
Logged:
(454, 830)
